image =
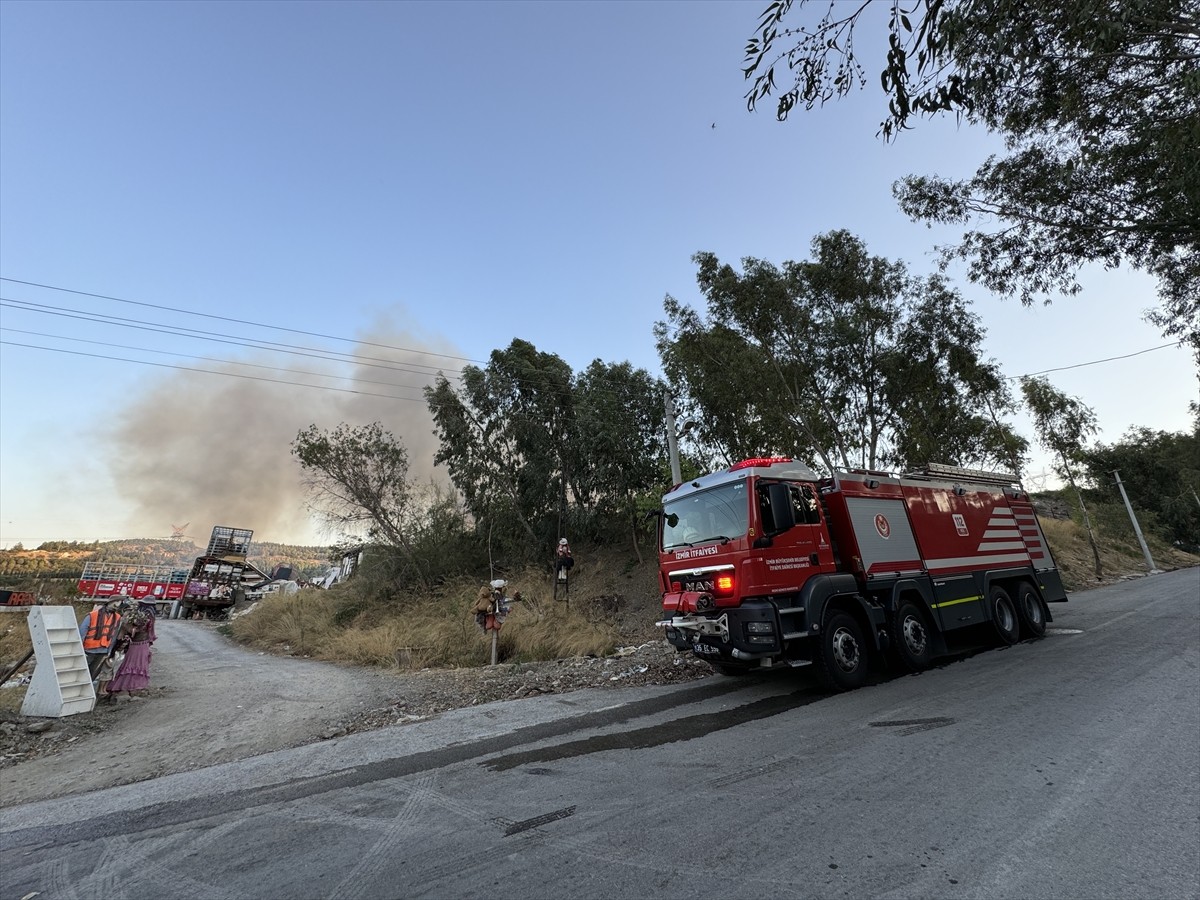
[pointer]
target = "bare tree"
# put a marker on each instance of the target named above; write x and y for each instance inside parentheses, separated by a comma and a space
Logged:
(358, 477)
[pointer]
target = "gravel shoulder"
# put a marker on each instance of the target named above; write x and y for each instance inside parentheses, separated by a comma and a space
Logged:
(211, 701)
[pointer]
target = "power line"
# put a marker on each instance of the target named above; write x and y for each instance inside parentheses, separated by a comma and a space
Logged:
(330, 337)
(270, 345)
(328, 356)
(194, 333)
(1096, 362)
(228, 362)
(182, 331)
(510, 416)
(143, 362)
(316, 353)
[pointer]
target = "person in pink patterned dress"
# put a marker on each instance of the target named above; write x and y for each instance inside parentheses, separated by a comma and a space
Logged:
(137, 627)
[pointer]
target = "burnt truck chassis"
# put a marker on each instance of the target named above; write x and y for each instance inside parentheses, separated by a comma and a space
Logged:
(219, 579)
(215, 573)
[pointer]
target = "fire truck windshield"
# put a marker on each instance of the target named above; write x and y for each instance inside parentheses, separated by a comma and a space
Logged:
(718, 514)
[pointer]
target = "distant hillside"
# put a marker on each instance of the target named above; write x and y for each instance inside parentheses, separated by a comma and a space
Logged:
(64, 560)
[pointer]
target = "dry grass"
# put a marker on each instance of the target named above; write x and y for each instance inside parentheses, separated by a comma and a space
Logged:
(11, 698)
(14, 638)
(301, 623)
(1120, 554)
(411, 632)
(540, 628)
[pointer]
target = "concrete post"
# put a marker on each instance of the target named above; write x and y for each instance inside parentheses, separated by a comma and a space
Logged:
(1150, 567)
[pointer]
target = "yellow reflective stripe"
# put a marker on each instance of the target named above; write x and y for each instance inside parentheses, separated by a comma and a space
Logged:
(956, 602)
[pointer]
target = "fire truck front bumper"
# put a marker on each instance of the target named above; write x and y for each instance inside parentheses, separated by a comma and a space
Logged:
(744, 633)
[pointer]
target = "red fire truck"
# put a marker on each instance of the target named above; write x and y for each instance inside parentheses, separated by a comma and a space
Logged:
(767, 564)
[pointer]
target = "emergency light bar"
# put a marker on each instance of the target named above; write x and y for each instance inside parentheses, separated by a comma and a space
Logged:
(759, 461)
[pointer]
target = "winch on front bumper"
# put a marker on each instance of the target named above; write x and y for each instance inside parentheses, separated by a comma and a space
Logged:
(748, 633)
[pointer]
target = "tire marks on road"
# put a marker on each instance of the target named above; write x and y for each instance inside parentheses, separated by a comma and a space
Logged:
(124, 861)
(362, 880)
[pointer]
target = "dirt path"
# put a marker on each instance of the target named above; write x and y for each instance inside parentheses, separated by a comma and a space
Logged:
(209, 702)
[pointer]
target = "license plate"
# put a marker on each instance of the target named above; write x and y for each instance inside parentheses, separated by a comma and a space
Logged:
(705, 650)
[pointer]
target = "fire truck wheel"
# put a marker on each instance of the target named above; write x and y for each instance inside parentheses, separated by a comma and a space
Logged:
(1004, 616)
(910, 647)
(1030, 611)
(843, 653)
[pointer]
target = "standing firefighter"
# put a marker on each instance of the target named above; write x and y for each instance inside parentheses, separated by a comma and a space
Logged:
(98, 631)
(562, 566)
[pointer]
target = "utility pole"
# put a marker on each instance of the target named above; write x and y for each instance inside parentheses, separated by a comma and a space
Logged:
(1136, 529)
(672, 444)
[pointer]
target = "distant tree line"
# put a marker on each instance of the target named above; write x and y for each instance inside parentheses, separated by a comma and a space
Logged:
(15, 565)
(1161, 474)
(21, 564)
(67, 546)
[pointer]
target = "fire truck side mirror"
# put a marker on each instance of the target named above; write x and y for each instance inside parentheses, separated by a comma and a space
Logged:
(779, 495)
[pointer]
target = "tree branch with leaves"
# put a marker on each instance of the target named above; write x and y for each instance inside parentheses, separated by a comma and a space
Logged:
(1099, 105)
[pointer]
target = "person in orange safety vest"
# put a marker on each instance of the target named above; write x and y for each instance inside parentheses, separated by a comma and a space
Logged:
(97, 631)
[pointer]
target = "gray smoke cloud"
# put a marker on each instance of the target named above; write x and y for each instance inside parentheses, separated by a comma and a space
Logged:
(216, 449)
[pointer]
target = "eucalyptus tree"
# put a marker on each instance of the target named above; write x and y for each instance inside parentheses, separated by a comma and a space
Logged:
(502, 434)
(713, 369)
(617, 448)
(1063, 424)
(1097, 101)
(843, 360)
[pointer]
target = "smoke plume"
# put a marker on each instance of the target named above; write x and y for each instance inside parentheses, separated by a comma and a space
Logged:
(216, 449)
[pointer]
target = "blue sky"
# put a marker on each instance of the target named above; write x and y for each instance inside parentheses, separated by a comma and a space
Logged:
(436, 179)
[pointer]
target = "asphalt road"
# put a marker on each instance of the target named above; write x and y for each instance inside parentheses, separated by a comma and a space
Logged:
(1066, 767)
